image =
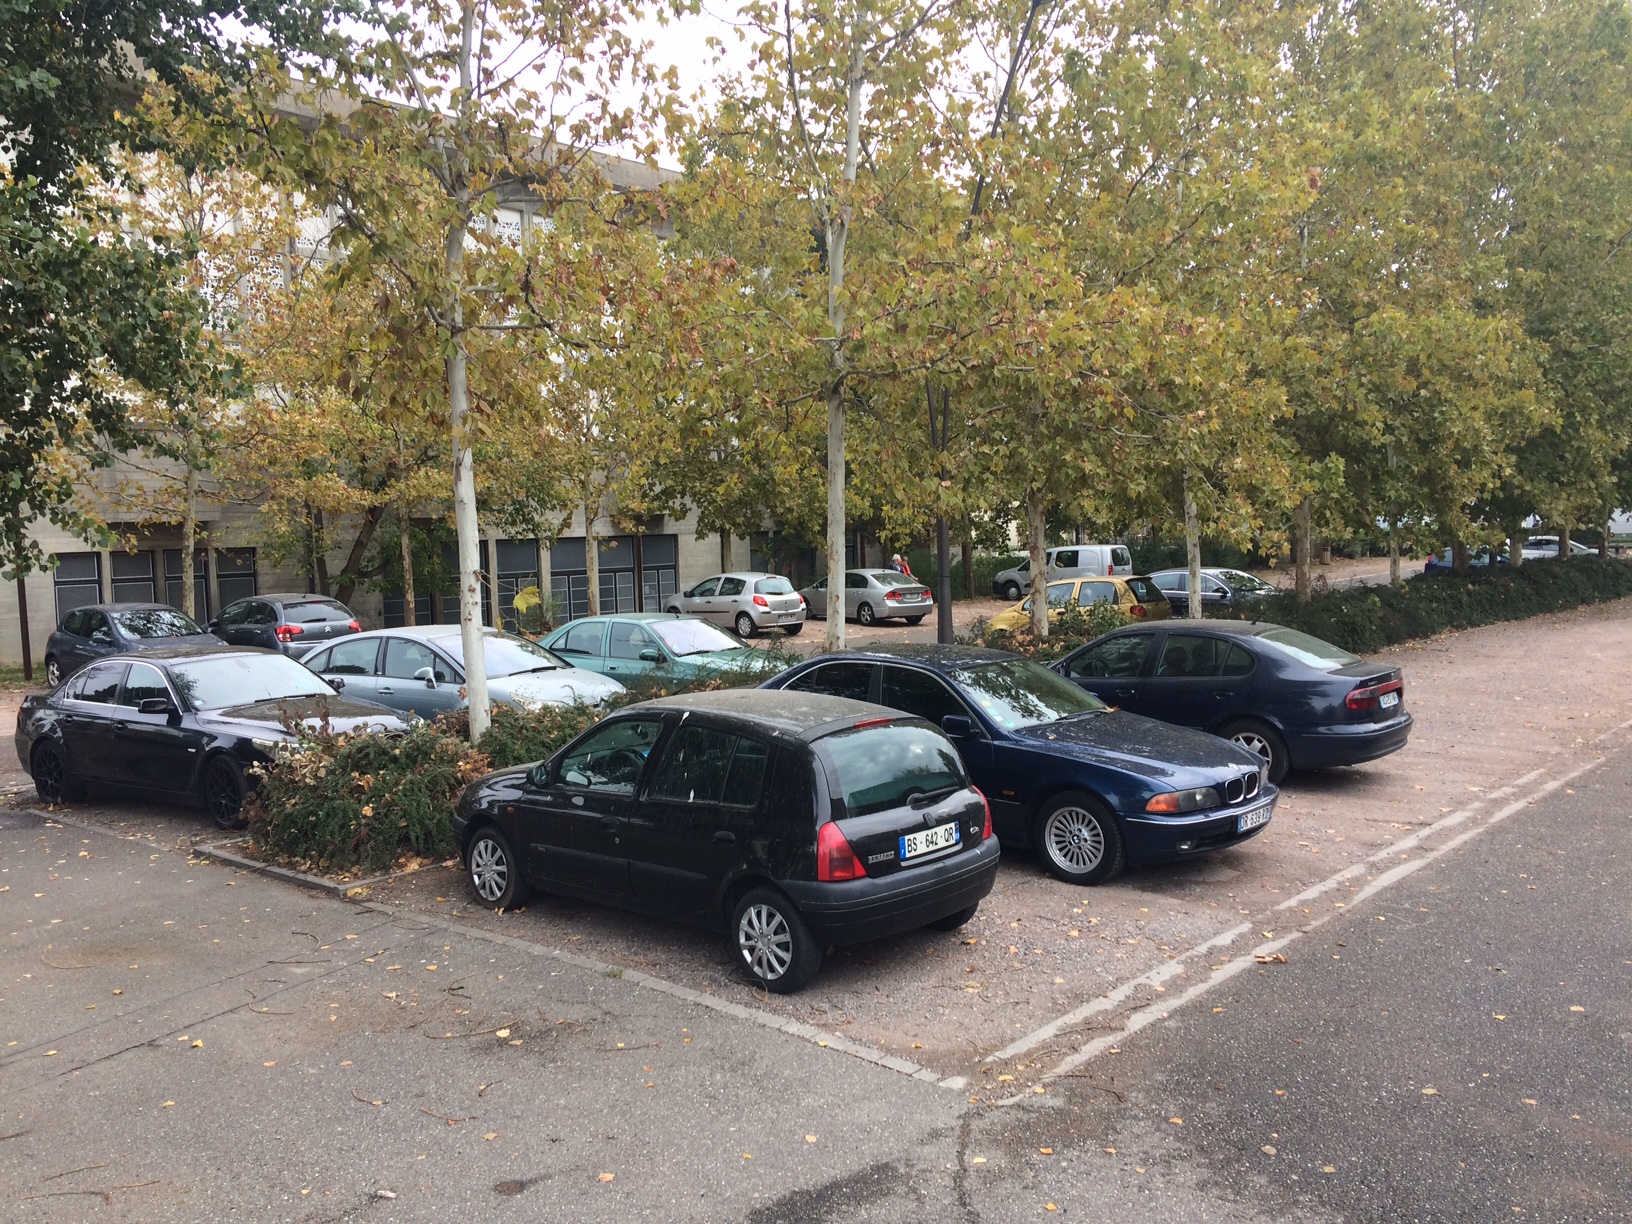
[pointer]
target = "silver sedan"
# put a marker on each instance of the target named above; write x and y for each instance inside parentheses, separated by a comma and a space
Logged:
(746, 602)
(872, 595)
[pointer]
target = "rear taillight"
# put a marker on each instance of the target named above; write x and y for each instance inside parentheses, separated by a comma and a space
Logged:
(1137, 610)
(1367, 698)
(761, 601)
(802, 601)
(354, 626)
(986, 829)
(287, 633)
(834, 858)
(892, 594)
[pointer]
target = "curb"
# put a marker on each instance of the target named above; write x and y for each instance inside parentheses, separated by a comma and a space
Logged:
(221, 854)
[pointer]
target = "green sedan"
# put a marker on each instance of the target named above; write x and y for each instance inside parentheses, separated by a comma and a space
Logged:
(658, 644)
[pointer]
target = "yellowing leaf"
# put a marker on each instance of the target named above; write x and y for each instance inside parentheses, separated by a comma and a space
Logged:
(606, 1177)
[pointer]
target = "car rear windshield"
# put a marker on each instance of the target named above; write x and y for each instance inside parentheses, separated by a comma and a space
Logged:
(155, 623)
(1019, 693)
(889, 578)
(689, 637)
(1244, 581)
(313, 610)
(1144, 590)
(506, 655)
(773, 586)
(884, 767)
(1307, 649)
(236, 680)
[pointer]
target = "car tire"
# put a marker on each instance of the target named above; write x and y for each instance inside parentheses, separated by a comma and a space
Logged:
(54, 780)
(494, 870)
(672, 611)
(772, 941)
(1012, 592)
(1265, 741)
(745, 625)
(915, 620)
(955, 920)
(53, 671)
(224, 788)
(1076, 837)
(864, 614)
(793, 630)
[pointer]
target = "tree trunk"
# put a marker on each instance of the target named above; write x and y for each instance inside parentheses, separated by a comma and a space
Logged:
(407, 544)
(345, 585)
(1563, 541)
(320, 560)
(1459, 557)
(1037, 543)
(1515, 543)
(943, 582)
(189, 544)
(725, 550)
(592, 560)
(22, 627)
(968, 549)
(1603, 543)
(1300, 551)
(1393, 550)
(1192, 553)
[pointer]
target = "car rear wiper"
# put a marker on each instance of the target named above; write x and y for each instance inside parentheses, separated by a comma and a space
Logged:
(923, 799)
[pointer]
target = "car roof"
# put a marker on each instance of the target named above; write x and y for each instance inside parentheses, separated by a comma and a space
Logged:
(1206, 569)
(181, 654)
(743, 574)
(643, 617)
(806, 715)
(1179, 624)
(289, 597)
(429, 633)
(942, 658)
(127, 607)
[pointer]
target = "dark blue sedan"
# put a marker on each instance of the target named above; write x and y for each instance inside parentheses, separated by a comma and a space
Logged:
(1089, 788)
(1297, 701)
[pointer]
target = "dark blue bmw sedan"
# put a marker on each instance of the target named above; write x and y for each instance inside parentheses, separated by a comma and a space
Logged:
(1089, 788)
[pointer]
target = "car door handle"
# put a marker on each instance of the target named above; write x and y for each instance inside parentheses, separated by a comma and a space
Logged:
(1124, 692)
(724, 837)
(577, 801)
(387, 691)
(71, 719)
(1222, 694)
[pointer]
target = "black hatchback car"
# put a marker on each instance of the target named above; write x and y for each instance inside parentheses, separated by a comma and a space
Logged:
(99, 630)
(293, 625)
(795, 821)
(178, 723)
(1298, 702)
(1087, 787)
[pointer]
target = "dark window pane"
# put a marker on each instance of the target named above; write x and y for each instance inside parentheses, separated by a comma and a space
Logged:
(1096, 592)
(1066, 559)
(1123, 656)
(853, 680)
(916, 692)
(855, 582)
(660, 550)
(628, 640)
(705, 588)
(77, 567)
(883, 767)
(353, 658)
(404, 657)
(148, 623)
(143, 683)
(731, 586)
(612, 757)
(97, 628)
(1189, 655)
(1144, 590)
(743, 783)
(695, 769)
(101, 684)
(1238, 662)
(131, 565)
(584, 639)
(315, 611)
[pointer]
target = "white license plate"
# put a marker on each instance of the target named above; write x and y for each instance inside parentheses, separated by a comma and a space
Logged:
(914, 845)
(1389, 700)
(1254, 818)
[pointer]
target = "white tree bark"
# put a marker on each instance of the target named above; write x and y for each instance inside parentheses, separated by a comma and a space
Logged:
(1302, 546)
(189, 541)
(1037, 544)
(407, 545)
(592, 558)
(1192, 552)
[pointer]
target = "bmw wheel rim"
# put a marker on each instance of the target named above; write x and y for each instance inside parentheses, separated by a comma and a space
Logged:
(48, 775)
(1253, 742)
(1075, 839)
(489, 871)
(226, 797)
(765, 941)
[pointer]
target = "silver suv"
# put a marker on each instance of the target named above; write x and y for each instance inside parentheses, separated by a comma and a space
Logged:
(745, 602)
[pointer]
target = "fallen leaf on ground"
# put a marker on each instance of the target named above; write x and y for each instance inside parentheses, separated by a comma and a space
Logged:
(491, 1135)
(1328, 1169)
(1430, 1092)
(1176, 1121)
(1268, 1149)
(810, 1138)
(1046, 1151)
(606, 1177)
(1274, 958)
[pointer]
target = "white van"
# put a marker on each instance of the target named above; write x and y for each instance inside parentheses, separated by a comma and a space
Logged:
(1066, 561)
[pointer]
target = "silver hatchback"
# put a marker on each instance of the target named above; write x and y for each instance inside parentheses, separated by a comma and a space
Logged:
(746, 602)
(871, 595)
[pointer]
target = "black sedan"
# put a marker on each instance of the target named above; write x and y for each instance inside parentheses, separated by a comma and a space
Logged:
(178, 723)
(794, 821)
(1090, 789)
(99, 630)
(1295, 700)
(1221, 589)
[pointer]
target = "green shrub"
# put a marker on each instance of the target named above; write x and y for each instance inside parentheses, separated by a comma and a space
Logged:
(1367, 618)
(1075, 626)
(341, 803)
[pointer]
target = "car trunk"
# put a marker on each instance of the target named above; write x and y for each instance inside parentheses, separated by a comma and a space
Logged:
(319, 622)
(1370, 686)
(939, 830)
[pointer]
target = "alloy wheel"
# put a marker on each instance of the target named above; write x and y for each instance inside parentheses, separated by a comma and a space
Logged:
(53, 672)
(765, 942)
(50, 772)
(489, 869)
(1253, 742)
(224, 790)
(745, 625)
(1074, 839)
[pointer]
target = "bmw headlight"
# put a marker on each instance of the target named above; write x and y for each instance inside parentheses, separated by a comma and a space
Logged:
(1170, 803)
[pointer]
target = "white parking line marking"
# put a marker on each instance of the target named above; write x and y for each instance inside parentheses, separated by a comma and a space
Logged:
(1162, 1010)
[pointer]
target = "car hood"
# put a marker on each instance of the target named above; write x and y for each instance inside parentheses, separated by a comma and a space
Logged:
(561, 686)
(267, 719)
(740, 658)
(1174, 757)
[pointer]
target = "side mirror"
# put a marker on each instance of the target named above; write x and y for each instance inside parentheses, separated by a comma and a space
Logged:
(155, 705)
(957, 724)
(335, 682)
(427, 675)
(539, 775)
(651, 655)
(213, 627)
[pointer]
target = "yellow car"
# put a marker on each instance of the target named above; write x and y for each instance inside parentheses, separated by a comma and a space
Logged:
(1136, 595)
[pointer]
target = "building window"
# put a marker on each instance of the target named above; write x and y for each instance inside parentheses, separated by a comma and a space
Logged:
(659, 559)
(235, 574)
(629, 565)
(518, 568)
(78, 579)
(201, 581)
(133, 578)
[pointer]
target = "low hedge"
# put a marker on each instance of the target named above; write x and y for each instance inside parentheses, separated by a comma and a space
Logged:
(1367, 618)
(1075, 626)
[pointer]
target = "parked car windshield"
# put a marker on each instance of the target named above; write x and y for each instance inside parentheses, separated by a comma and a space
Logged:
(315, 610)
(689, 637)
(506, 655)
(1244, 581)
(1020, 693)
(884, 767)
(773, 586)
(237, 680)
(1307, 649)
(155, 623)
